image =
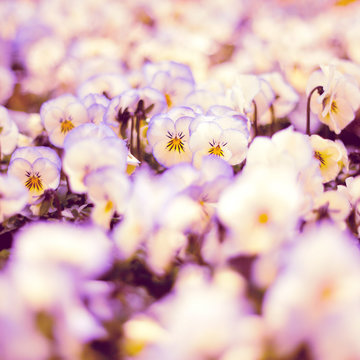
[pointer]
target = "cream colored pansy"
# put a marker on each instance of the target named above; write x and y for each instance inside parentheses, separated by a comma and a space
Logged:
(7, 79)
(17, 325)
(331, 204)
(243, 92)
(85, 250)
(61, 115)
(96, 106)
(221, 323)
(127, 103)
(100, 131)
(204, 186)
(141, 331)
(52, 263)
(251, 94)
(29, 125)
(338, 99)
(285, 97)
(174, 80)
(9, 132)
(319, 290)
(90, 154)
(146, 204)
(202, 99)
(109, 85)
(260, 209)
(156, 220)
(13, 196)
(42, 55)
(108, 189)
(38, 168)
(353, 187)
(86, 131)
(330, 155)
(352, 192)
(289, 149)
(218, 136)
(168, 136)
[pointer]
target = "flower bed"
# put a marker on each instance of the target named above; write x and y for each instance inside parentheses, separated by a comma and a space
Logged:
(179, 180)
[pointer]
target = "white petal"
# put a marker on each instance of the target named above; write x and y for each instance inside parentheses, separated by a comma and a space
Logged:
(205, 133)
(77, 113)
(18, 168)
(49, 172)
(158, 128)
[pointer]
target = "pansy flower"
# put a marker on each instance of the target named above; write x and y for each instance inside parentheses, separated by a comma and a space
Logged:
(172, 79)
(168, 136)
(285, 97)
(109, 85)
(260, 209)
(91, 154)
(331, 156)
(9, 132)
(96, 106)
(8, 80)
(122, 107)
(13, 196)
(38, 168)
(61, 115)
(218, 136)
(108, 189)
(338, 99)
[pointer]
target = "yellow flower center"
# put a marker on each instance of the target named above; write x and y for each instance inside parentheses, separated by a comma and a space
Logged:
(109, 205)
(168, 100)
(66, 126)
(263, 218)
(334, 107)
(320, 157)
(33, 182)
(216, 150)
(344, 2)
(175, 143)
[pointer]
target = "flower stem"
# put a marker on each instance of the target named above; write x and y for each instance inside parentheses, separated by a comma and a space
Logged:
(138, 143)
(272, 124)
(132, 125)
(255, 119)
(320, 91)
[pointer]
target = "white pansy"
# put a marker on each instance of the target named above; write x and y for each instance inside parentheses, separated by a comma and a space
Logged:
(90, 154)
(172, 79)
(220, 136)
(109, 85)
(9, 132)
(7, 79)
(13, 196)
(168, 137)
(61, 115)
(285, 97)
(331, 156)
(38, 168)
(260, 209)
(108, 190)
(96, 106)
(339, 98)
(321, 299)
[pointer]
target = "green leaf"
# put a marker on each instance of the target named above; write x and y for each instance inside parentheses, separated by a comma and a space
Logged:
(44, 208)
